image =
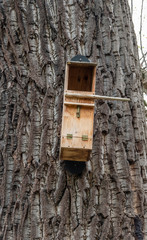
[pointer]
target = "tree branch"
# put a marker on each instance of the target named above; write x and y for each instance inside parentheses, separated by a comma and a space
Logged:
(132, 7)
(140, 34)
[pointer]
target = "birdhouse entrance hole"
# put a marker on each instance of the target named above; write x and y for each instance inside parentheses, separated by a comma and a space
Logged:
(80, 78)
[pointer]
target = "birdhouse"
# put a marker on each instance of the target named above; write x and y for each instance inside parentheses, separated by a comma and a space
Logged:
(78, 110)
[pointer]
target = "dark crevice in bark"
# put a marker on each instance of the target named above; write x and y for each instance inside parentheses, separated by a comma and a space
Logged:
(74, 167)
(138, 228)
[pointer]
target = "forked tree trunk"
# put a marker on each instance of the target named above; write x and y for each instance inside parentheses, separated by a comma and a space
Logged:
(40, 199)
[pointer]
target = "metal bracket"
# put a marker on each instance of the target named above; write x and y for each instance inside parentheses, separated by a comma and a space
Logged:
(84, 137)
(78, 112)
(69, 136)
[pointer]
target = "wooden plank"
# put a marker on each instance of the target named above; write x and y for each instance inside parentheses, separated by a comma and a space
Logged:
(77, 142)
(79, 92)
(77, 99)
(78, 95)
(93, 79)
(73, 154)
(77, 126)
(66, 77)
(79, 104)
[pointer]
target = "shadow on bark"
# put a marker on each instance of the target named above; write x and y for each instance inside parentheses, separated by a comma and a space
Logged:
(75, 168)
(138, 228)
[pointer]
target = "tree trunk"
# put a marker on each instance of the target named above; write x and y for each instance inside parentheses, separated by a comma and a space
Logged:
(40, 198)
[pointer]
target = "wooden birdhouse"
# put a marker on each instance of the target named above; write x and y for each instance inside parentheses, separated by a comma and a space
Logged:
(78, 110)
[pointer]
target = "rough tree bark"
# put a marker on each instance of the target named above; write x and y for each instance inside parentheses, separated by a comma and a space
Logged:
(39, 198)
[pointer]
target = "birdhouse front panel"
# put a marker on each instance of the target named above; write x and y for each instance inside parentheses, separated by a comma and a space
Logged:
(78, 112)
(77, 131)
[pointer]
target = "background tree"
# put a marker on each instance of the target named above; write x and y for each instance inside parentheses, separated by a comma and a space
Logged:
(39, 198)
(138, 12)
